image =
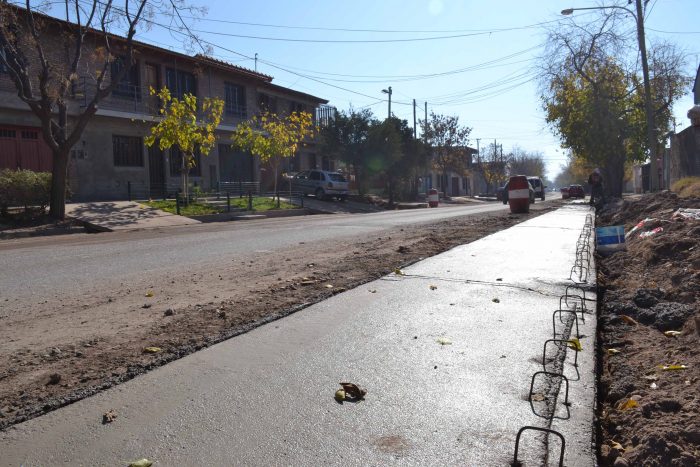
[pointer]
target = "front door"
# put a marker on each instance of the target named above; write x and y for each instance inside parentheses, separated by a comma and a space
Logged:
(156, 172)
(455, 186)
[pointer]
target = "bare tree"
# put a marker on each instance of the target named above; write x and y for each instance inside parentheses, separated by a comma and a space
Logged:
(50, 61)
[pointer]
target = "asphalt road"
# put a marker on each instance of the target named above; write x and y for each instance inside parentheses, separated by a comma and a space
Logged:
(43, 268)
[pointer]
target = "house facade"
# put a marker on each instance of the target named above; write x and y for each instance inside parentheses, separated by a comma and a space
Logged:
(111, 160)
(453, 183)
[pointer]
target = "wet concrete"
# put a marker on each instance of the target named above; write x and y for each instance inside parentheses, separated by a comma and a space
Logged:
(266, 397)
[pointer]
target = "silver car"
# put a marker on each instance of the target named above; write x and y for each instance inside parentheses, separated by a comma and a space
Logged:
(321, 184)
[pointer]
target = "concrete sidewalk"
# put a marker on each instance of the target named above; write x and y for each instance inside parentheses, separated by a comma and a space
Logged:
(109, 216)
(446, 352)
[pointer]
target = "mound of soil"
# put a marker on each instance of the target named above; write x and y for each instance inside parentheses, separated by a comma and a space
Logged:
(649, 405)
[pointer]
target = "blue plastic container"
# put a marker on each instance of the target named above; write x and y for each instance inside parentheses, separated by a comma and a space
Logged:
(610, 239)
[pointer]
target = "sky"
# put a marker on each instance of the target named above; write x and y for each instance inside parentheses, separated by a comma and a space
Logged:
(475, 59)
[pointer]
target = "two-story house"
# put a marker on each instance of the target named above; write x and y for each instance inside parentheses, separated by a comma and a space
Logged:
(111, 154)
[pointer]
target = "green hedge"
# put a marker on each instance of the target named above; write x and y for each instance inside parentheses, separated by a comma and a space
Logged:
(24, 188)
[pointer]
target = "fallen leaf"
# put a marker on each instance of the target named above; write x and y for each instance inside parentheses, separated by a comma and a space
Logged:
(372, 291)
(672, 333)
(152, 349)
(149, 294)
(444, 341)
(433, 287)
(537, 397)
(629, 320)
(575, 344)
(353, 390)
(340, 395)
(109, 416)
(628, 404)
(141, 463)
(495, 300)
(499, 279)
(613, 351)
(673, 367)
(399, 272)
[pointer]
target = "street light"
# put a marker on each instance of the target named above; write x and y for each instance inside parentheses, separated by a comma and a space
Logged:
(388, 91)
(648, 107)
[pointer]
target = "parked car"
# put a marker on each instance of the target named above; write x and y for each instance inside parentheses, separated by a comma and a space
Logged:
(538, 186)
(564, 192)
(321, 184)
(576, 191)
(504, 191)
(499, 193)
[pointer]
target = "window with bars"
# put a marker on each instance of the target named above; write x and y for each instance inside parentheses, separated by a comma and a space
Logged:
(3, 67)
(128, 151)
(267, 103)
(296, 107)
(235, 104)
(180, 83)
(128, 87)
(176, 163)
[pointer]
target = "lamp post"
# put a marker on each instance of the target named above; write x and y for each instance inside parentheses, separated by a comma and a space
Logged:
(648, 106)
(388, 91)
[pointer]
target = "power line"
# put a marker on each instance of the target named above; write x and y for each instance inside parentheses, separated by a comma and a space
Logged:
(388, 31)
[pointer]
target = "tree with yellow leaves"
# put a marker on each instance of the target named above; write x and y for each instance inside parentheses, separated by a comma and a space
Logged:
(179, 127)
(272, 137)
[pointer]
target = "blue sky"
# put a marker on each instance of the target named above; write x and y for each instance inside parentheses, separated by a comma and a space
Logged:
(491, 90)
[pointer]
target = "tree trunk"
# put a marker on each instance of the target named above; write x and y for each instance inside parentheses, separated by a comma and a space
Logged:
(356, 170)
(59, 177)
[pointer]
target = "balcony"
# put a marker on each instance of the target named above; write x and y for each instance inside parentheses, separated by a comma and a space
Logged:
(123, 98)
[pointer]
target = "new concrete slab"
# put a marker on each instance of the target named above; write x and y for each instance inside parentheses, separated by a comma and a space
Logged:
(266, 397)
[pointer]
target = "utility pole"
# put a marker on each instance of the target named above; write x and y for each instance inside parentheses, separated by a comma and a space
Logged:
(648, 105)
(478, 152)
(388, 91)
(414, 119)
(425, 126)
(256, 62)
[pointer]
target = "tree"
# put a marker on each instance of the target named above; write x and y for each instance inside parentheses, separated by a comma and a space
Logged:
(593, 97)
(493, 165)
(448, 143)
(180, 128)
(272, 137)
(345, 139)
(383, 150)
(48, 60)
(521, 162)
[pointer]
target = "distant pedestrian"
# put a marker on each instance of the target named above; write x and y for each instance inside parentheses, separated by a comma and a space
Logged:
(595, 179)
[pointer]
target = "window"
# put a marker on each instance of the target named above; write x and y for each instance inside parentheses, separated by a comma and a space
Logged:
(296, 107)
(267, 102)
(128, 151)
(176, 163)
(5, 133)
(3, 67)
(128, 85)
(30, 134)
(180, 83)
(235, 104)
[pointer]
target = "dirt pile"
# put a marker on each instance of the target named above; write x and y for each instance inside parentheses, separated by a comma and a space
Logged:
(650, 334)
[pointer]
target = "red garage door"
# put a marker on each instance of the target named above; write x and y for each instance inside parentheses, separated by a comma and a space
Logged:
(24, 148)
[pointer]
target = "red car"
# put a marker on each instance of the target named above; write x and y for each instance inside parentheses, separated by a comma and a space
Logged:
(564, 192)
(576, 191)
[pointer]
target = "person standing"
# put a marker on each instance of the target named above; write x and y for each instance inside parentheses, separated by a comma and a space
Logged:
(596, 182)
